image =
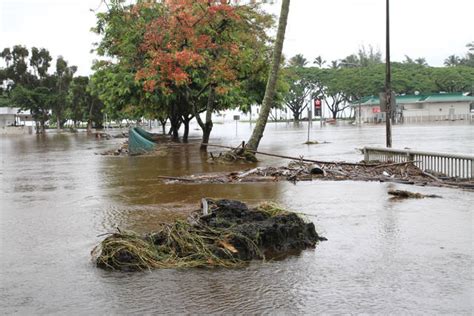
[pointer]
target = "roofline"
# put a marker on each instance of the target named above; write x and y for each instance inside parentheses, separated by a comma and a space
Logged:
(422, 98)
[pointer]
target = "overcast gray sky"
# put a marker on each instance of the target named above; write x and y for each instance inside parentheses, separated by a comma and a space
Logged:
(331, 28)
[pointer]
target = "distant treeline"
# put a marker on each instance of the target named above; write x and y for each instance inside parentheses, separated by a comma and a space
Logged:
(54, 95)
(343, 81)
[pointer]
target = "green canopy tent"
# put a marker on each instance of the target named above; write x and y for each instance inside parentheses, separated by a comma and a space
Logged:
(140, 141)
(150, 136)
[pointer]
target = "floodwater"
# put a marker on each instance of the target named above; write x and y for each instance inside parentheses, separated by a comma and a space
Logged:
(57, 195)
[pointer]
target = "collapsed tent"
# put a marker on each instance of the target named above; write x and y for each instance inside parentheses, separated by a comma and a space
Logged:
(140, 141)
(150, 136)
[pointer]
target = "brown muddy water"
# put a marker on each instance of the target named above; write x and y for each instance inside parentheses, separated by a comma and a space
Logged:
(382, 256)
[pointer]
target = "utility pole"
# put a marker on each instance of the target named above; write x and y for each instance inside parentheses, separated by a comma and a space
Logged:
(388, 82)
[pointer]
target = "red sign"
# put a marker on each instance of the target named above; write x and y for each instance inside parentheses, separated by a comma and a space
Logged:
(317, 104)
(376, 109)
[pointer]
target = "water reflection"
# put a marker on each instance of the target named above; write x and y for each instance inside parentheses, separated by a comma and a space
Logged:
(139, 192)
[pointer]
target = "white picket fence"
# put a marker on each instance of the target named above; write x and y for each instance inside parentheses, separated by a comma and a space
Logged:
(451, 165)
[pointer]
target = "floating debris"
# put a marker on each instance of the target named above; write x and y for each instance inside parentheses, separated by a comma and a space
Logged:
(121, 151)
(404, 173)
(402, 194)
(230, 235)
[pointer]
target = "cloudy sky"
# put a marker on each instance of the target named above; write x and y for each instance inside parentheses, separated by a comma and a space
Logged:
(331, 28)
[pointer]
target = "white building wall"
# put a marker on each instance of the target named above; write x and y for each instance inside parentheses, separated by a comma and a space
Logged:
(7, 120)
(436, 111)
(421, 112)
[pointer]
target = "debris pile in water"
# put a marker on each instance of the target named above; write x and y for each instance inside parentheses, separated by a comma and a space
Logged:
(404, 173)
(230, 235)
(239, 154)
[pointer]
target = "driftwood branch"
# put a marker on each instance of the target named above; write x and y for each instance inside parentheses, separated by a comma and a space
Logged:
(395, 164)
(429, 175)
(176, 178)
(296, 158)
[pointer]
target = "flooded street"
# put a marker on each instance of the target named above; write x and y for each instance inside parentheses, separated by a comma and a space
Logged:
(57, 195)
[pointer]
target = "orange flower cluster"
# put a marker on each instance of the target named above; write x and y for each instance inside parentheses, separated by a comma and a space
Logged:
(192, 36)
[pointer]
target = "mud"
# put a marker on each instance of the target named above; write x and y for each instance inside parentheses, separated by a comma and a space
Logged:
(273, 234)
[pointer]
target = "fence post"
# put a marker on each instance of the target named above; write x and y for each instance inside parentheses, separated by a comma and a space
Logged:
(366, 155)
(472, 169)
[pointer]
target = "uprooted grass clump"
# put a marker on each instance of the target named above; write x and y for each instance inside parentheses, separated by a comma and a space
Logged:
(272, 208)
(230, 236)
(178, 245)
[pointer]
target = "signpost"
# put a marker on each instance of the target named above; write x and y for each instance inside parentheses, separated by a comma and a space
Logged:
(383, 101)
(310, 119)
(236, 119)
(318, 110)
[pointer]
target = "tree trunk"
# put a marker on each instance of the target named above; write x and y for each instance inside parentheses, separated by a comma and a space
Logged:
(163, 128)
(89, 119)
(207, 126)
(163, 125)
(175, 121)
(43, 129)
(206, 134)
(175, 133)
(257, 133)
(296, 116)
(186, 130)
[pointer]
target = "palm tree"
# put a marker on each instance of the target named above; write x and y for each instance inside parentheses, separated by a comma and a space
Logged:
(421, 61)
(257, 132)
(298, 61)
(319, 61)
(452, 60)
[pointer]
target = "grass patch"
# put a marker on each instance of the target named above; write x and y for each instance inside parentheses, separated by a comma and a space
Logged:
(272, 209)
(178, 245)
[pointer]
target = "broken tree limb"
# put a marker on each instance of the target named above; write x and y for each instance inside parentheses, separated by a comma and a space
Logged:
(296, 158)
(402, 194)
(395, 164)
(204, 206)
(429, 175)
(176, 178)
(244, 174)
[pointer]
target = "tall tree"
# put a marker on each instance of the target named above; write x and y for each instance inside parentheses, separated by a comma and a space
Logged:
(304, 84)
(63, 76)
(38, 100)
(198, 52)
(257, 133)
(40, 61)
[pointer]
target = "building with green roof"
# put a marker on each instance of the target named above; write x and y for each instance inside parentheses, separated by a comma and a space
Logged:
(418, 108)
